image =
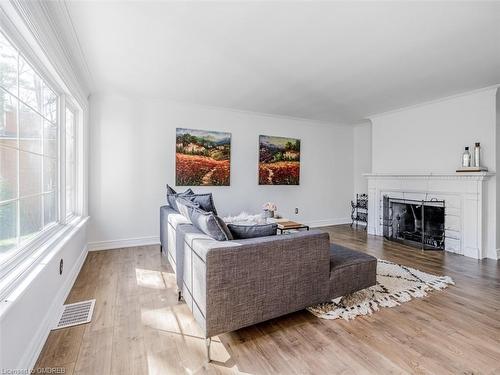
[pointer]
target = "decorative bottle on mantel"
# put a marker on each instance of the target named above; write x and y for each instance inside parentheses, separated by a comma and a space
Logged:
(466, 158)
(477, 155)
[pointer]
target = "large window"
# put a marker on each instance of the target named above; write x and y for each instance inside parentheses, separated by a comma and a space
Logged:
(29, 162)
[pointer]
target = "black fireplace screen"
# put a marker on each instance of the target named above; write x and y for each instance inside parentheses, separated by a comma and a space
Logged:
(413, 222)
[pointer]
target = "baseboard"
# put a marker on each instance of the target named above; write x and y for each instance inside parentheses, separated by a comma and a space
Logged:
(328, 222)
(129, 242)
(145, 241)
(41, 335)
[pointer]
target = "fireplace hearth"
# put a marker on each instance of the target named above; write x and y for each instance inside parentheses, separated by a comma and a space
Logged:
(415, 223)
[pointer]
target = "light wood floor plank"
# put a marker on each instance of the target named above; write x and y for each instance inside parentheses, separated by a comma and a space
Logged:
(139, 327)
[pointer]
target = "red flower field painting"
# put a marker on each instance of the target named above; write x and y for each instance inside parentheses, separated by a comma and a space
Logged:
(202, 158)
(279, 160)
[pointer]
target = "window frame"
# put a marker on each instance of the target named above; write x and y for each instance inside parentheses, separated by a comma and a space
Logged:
(28, 249)
(68, 216)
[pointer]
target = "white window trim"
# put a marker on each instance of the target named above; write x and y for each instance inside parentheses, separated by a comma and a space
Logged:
(17, 274)
(62, 159)
(76, 207)
(26, 257)
(28, 248)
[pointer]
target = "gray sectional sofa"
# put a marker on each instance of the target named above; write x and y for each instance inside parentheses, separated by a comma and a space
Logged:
(233, 284)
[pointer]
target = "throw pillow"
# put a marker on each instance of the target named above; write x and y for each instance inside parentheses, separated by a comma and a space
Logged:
(170, 190)
(205, 201)
(241, 232)
(183, 206)
(172, 196)
(210, 224)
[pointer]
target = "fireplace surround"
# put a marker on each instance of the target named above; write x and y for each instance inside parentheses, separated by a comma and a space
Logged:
(466, 216)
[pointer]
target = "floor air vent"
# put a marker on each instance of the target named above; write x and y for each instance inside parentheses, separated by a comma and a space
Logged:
(76, 313)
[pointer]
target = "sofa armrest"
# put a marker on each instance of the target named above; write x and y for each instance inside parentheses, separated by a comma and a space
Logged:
(260, 279)
(164, 212)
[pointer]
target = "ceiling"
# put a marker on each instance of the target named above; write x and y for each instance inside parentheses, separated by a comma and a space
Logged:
(327, 61)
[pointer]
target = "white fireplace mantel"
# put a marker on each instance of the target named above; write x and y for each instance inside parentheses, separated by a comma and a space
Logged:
(464, 204)
(478, 176)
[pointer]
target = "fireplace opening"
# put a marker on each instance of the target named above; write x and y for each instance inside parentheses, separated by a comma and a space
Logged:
(415, 223)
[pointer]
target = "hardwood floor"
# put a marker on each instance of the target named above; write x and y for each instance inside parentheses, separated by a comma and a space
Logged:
(139, 327)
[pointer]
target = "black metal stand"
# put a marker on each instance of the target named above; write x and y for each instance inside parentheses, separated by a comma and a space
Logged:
(359, 210)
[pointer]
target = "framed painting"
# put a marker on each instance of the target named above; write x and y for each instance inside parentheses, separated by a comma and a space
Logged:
(279, 160)
(203, 158)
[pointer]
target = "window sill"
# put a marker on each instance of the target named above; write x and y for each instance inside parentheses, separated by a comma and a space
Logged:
(14, 284)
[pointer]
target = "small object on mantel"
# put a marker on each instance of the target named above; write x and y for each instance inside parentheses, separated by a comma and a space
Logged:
(466, 158)
(477, 155)
(472, 169)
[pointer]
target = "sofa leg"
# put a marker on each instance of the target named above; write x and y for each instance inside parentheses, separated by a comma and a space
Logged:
(179, 295)
(161, 249)
(208, 342)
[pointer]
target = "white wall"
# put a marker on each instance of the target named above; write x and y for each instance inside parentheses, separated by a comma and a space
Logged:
(430, 138)
(133, 158)
(29, 312)
(362, 158)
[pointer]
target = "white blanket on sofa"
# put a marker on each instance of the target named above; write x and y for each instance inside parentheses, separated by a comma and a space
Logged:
(245, 218)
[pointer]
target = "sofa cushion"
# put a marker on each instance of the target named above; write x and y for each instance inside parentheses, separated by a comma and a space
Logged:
(341, 256)
(209, 223)
(204, 201)
(350, 271)
(241, 232)
(177, 219)
(172, 196)
(201, 243)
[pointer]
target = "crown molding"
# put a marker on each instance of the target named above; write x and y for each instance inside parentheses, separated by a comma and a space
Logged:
(40, 33)
(489, 90)
(59, 16)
